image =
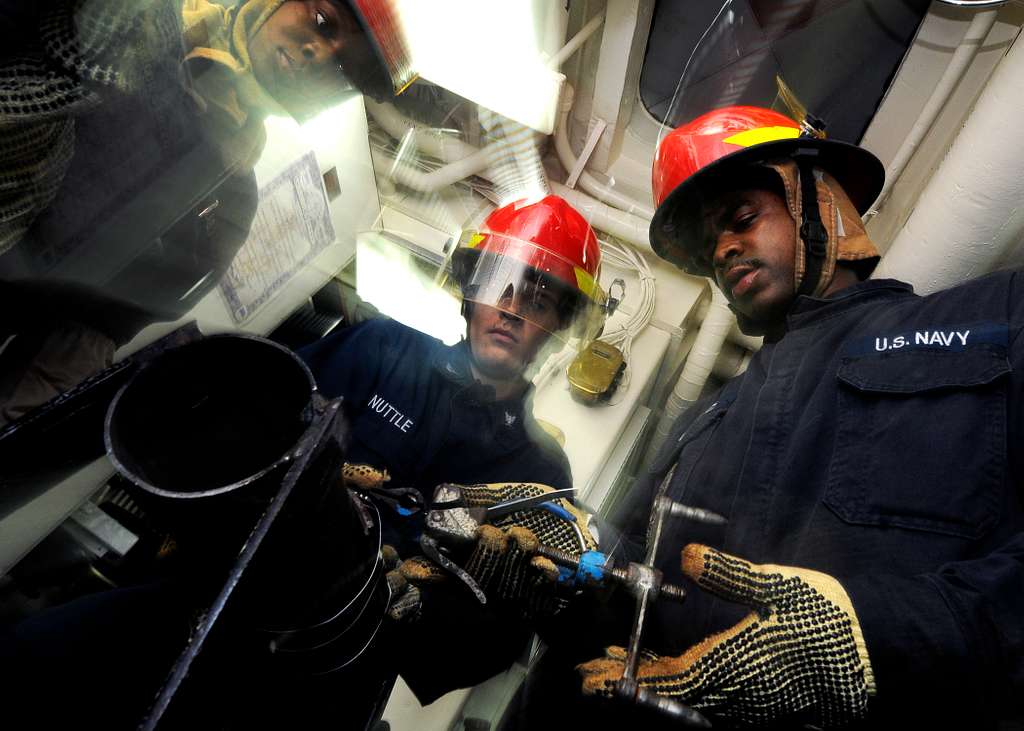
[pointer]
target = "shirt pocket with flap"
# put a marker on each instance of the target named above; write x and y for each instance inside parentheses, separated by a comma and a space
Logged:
(921, 440)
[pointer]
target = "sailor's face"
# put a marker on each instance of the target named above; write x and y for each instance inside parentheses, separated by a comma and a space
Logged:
(301, 53)
(751, 242)
(505, 341)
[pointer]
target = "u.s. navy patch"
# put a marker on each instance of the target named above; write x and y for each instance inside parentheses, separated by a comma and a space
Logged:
(954, 338)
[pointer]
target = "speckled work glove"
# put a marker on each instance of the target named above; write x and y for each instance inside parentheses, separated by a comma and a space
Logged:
(500, 559)
(363, 476)
(406, 603)
(800, 653)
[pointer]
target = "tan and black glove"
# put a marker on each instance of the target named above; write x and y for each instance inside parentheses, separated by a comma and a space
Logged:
(406, 603)
(363, 476)
(368, 481)
(500, 559)
(800, 653)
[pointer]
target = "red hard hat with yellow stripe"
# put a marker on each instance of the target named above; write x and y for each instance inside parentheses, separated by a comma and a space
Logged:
(525, 250)
(713, 148)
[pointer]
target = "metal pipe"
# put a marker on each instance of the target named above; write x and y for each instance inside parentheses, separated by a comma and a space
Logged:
(965, 52)
(731, 361)
(970, 211)
(587, 181)
(975, 3)
(463, 160)
(434, 180)
(705, 351)
(576, 41)
(428, 139)
(631, 229)
(736, 336)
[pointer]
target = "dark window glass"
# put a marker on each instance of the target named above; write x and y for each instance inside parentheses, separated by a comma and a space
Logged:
(838, 56)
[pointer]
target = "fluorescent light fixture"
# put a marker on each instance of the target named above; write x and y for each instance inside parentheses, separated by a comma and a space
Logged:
(490, 52)
(399, 280)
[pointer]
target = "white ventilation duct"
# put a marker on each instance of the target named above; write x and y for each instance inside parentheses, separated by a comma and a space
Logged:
(972, 208)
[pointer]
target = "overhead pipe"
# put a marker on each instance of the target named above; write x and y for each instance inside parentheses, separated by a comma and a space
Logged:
(972, 208)
(513, 143)
(587, 181)
(463, 160)
(731, 361)
(752, 343)
(576, 42)
(426, 138)
(975, 3)
(391, 168)
(698, 367)
(631, 229)
(964, 54)
(435, 180)
(736, 336)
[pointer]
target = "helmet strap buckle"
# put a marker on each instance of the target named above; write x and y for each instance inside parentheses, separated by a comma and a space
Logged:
(815, 237)
(812, 231)
(613, 302)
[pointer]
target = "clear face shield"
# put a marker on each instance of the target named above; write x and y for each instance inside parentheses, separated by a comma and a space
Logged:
(521, 300)
(733, 109)
(738, 59)
(729, 76)
(825, 65)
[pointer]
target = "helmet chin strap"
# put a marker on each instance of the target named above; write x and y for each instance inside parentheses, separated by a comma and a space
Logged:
(812, 231)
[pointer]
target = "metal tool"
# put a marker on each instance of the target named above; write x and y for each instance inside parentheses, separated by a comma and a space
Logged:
(644, 581)
(646, 589)
(513, 506)
(451, 522)
(591, 568)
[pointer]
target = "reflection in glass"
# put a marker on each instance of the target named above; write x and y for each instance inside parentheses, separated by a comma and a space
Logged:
(130, 132)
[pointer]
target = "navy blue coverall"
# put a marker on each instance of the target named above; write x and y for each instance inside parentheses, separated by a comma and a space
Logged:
(877, 441)
(416, 410)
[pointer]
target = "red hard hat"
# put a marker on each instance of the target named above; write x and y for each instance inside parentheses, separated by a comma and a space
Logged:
(548, 235)
(523, 244)
(383, 26)
(721, 141)
(712, 136)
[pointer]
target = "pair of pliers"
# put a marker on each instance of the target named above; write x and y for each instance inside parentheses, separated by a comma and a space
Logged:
(450, 522)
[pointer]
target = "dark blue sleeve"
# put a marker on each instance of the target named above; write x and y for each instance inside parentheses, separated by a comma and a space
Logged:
(348, 362)
(18, 19)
